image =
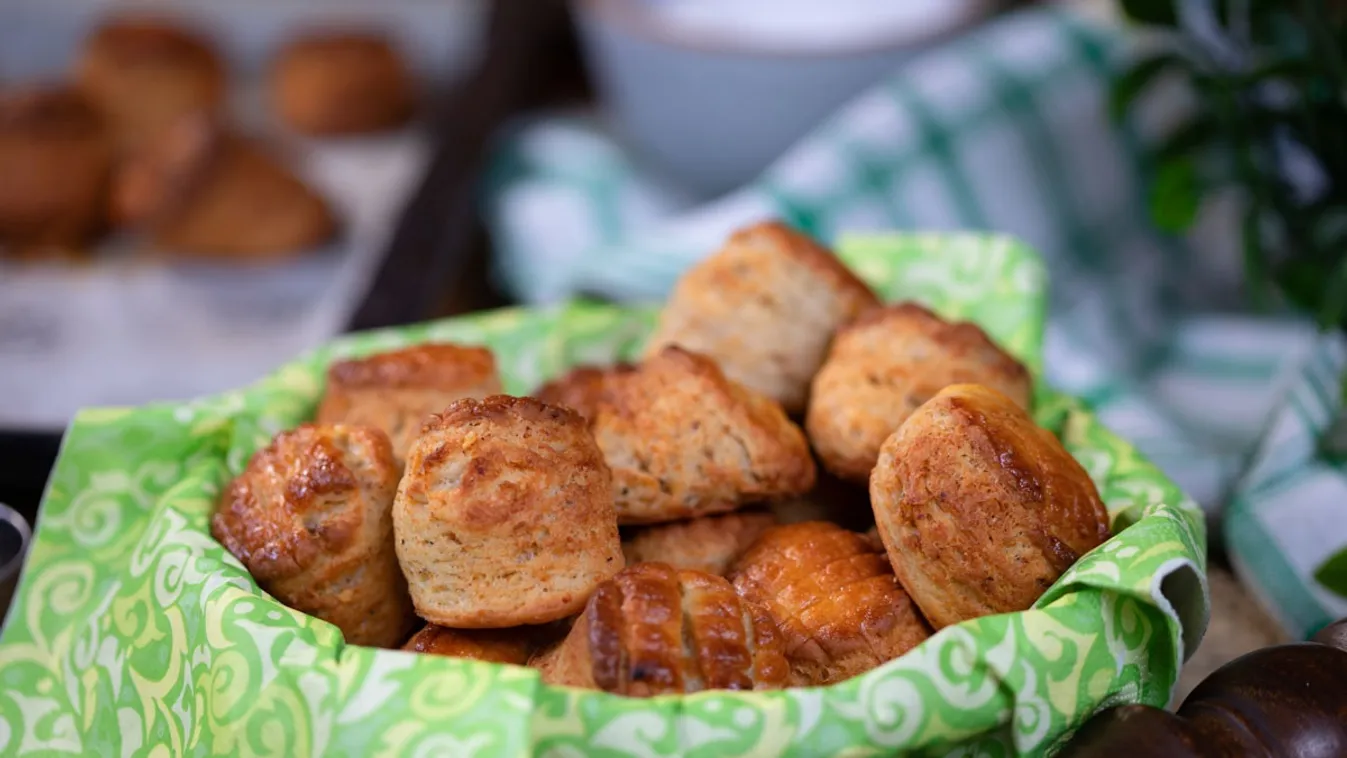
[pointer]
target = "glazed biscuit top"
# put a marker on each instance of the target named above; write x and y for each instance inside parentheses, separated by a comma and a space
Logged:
(654, 629)
(304, 496)
(980, 458)
(1033, 463)
(830, 587)
(429, 365)
(496, 645)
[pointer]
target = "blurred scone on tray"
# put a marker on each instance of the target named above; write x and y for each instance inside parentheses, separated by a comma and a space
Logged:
(655, 630)
(341, 83)
(885, 364)
(311, 520)
(504, 515)
(166, 146)
(399, 390)
(981, 509)
(145, 72)
(226, 197)
(709, 543)
(54, 164)
(683, 440)
(764, 307)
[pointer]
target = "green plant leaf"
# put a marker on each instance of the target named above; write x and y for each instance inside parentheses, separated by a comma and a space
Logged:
(1256, 259)
(1175, 195)
(1197, 133)
(1332, 573)
(1301, 281)
(1334, 305)
(1157, 12)
(1137, 79)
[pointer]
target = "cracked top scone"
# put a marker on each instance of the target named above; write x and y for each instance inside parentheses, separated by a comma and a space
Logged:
(764, 307)
(709, 543)
(398, 391)
(885, 364)
(834, 597)
(310, 519)
(505, 515)
(979, 508)
(683, 441)
(655, 630)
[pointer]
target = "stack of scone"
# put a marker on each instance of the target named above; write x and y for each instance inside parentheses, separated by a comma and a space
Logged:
(663, 526)
(140, 140)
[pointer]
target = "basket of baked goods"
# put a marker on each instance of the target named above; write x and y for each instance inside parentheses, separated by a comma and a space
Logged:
(815, 504)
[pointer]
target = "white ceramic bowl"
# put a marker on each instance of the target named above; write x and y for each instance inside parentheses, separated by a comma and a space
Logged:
(712, 92)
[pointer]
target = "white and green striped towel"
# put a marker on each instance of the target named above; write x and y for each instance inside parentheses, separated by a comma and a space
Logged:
(1003, 129)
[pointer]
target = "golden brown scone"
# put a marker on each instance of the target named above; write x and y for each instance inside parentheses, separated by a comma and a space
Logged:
(398, 391)
(54, 164)
(492, 645)
(834, 597)
(341, 83)
(145, 73)
(764, 307)
(684, 441)
(236, 201)
(885, 364)
(709, 543)
(654, 630)
(581, 388)
(980, 509)
(310, 518)
(505, 515)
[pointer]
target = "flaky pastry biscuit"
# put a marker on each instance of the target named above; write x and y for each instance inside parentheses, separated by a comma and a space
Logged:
(504, 515)
(979, 508)
(885, 364)
(310, 519)
(764, 307)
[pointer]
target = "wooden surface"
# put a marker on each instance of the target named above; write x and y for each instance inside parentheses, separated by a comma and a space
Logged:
(1238, 626)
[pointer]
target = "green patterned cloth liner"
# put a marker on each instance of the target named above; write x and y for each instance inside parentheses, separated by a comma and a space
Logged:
(135, 633)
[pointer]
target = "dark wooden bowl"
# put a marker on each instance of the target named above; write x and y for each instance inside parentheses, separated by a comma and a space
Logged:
(1284, 701)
